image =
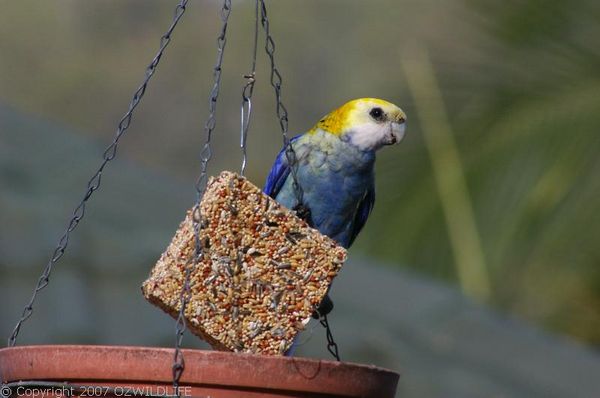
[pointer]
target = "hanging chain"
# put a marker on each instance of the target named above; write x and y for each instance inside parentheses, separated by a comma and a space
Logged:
(282, 115)
(247, 91)
(332, 346)
(94, 183)
(301, 209)
(205, 156)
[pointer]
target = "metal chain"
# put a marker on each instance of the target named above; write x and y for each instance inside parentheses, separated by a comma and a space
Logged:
(282, 115)
(301, 209)
(247, 91)
(332, 346)
(94, 183)
(205, 156)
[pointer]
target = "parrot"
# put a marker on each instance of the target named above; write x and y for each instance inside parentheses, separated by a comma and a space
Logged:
(335, 169)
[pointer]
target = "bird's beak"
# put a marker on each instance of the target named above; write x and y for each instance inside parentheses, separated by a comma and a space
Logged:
(396, 133)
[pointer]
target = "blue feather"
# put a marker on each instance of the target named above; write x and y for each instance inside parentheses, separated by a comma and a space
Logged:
(279, 173)
(364, 209)
(338, 186)
(337, 183)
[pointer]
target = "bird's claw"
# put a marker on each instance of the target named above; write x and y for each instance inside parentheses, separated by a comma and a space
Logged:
(303, 212)
(324, 308)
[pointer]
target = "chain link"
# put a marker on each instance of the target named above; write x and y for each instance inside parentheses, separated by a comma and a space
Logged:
(332, 346)
(282, 115)
(205, 156)
(301, 209)
(94, 183)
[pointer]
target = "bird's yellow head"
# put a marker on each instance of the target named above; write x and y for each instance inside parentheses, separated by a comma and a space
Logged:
(368, 123)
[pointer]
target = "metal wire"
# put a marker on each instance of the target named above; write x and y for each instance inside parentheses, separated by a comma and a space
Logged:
(247, 91)
(205, 156)
(94, 183)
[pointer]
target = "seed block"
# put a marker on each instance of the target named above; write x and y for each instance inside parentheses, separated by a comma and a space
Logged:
(262, 271)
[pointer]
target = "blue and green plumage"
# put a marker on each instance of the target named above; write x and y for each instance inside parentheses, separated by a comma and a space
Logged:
(335, 162)
(337, 181)
(335, 169)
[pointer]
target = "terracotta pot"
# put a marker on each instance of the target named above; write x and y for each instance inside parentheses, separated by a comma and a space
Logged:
(207, 373)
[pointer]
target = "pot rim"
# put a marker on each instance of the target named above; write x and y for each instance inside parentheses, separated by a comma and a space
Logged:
(138, 364)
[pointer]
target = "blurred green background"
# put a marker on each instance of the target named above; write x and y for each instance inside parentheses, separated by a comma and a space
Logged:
(495, 189)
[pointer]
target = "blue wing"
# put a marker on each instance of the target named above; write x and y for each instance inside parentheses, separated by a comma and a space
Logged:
(362, 213)
(279, 173)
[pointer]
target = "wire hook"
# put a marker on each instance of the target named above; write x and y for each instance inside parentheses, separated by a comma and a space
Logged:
(247, 91)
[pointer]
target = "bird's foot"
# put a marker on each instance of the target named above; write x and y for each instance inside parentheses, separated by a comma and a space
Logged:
(303, 212)
(324, 308)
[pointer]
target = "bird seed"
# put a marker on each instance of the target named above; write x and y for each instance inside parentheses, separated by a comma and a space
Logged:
(261, 274)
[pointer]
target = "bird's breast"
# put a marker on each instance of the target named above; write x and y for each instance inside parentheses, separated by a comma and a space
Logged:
(334, 180)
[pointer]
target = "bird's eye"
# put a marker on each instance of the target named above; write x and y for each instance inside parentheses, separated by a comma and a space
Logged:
(377, 114)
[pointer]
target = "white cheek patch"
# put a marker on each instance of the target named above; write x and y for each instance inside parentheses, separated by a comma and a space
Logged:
(369, 136)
